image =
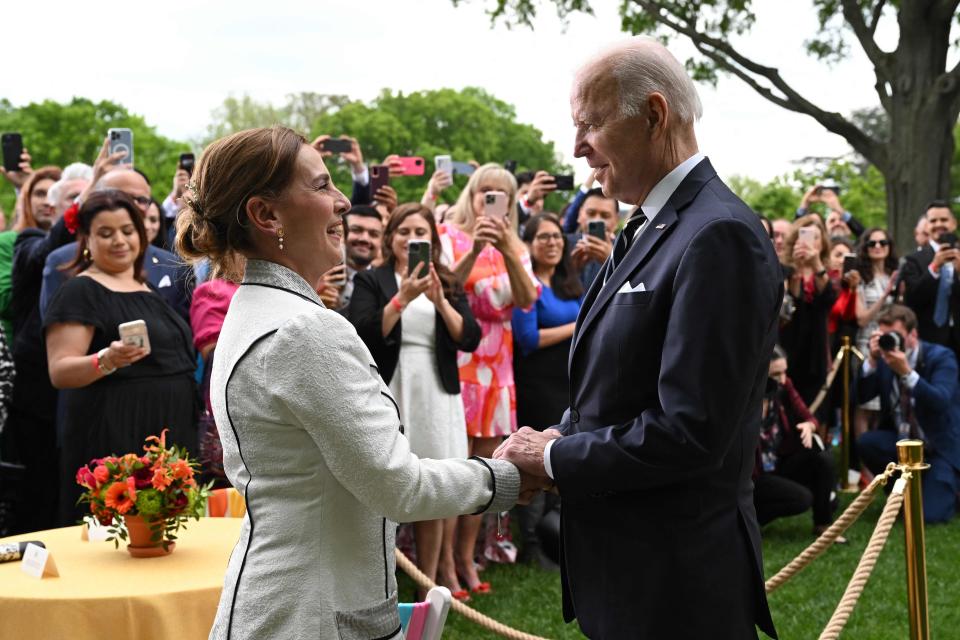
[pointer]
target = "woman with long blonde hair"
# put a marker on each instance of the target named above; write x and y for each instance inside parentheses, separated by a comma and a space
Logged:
(493, 265)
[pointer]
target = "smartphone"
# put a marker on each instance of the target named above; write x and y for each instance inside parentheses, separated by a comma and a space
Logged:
(947, 240)
(564, 182)
(412, 165)
(135, 333)
(187, 160)
(597, 229)
(495, 204)
(463, 168)
(12, 150)
(379, 177)
(121, 140)
(807, 235)
(849, 262)
(418, 253)
(337, 145)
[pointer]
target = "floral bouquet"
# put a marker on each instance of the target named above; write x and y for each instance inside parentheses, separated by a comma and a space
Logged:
(159, 486)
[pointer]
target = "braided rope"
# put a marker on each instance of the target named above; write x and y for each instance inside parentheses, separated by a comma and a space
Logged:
(470, 614)
(826, 540)
(859, 580)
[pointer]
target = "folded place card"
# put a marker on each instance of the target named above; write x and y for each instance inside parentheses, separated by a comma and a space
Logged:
(38, 562)
(93, 531)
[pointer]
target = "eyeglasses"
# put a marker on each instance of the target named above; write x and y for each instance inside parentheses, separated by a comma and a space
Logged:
(142, 201)
(877, 243)
(547, 237)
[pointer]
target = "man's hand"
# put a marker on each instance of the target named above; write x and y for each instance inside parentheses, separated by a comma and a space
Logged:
(525, 450)
(354, 156)
(897, 361)
(806, 430)
(318, 145)
(944, 255)
(18, 178)
(393, 163)
(829, 197)
(387, 196)
(876, 353)
(543, 183)
(810, 196)
(180, 180)
(591, 248)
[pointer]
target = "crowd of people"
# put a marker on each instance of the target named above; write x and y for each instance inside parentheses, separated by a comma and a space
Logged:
(472, 336)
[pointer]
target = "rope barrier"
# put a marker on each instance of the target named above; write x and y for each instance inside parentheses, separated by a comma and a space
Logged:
(859, 580)
(826, 540)
(831, 376)
(470, 614)
(844, 608)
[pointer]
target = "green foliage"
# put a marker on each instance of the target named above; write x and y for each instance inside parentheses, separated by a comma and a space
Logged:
(299, 112)
(58, 134)
(468, 125)
(863, 192)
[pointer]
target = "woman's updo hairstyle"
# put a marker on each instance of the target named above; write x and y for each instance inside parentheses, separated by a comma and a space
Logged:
(213, 221)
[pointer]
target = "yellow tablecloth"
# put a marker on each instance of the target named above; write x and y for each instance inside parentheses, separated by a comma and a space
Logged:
(104, 592)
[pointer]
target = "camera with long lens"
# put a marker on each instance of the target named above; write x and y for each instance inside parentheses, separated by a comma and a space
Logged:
(891, 341)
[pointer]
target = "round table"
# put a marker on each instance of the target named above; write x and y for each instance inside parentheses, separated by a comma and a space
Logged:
(104, 592)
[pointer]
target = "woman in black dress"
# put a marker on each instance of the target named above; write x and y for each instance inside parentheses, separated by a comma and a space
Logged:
(115, 395)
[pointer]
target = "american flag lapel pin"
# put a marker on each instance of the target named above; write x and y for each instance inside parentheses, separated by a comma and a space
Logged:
(661, 227)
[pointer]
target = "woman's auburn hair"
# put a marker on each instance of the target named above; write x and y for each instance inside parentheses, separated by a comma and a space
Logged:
(809, 220)
(211, 224)
(27, 220)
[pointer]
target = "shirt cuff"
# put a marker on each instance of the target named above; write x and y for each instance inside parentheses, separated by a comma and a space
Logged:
(362, 178)
(911, 380)
(546, 459)
(867, 369)
(933, 272)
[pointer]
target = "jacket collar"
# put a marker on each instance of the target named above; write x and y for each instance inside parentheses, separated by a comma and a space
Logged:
(271, 274)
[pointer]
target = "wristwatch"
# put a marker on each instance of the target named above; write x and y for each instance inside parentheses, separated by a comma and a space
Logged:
(104, 369)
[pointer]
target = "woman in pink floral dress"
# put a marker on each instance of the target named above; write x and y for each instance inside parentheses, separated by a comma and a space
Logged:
(493, 265)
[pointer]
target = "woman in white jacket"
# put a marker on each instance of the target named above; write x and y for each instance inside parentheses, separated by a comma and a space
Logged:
(311, 435)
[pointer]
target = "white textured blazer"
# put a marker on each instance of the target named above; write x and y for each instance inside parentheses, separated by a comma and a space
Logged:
(312, 439)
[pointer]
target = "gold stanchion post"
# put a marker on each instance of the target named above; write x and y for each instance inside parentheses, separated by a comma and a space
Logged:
(845, 420)
(910, 455)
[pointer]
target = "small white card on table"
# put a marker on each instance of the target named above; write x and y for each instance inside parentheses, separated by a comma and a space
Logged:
(38, 562)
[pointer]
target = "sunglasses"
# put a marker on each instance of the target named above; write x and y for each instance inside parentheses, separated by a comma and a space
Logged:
(877, 243)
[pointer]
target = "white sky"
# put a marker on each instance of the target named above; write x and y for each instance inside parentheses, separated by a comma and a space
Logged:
(175, 61)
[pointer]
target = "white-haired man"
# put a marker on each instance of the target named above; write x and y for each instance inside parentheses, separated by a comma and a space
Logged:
(654, 457)
(74, 179)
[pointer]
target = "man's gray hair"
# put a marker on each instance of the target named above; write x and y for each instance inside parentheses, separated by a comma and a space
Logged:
(74, 171)
(643, 66)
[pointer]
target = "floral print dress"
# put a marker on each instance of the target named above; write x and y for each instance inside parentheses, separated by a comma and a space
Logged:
(486, 375)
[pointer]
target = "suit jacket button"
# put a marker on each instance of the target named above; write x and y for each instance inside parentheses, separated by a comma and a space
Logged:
(574, 416)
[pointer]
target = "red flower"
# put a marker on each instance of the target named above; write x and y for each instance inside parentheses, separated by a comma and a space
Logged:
(85, 478)
(101, 474)
(160, 480)
(142, 477)
(70, 218)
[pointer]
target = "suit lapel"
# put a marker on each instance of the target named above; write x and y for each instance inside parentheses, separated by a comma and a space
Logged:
(387, 279)
(648, 241)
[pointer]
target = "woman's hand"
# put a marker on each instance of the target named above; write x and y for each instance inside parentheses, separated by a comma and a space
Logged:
(412, 286)
(434, 290)
(122, 355)
(806, 429)
(801, 253)
(503, 240)
(438, 182)
(890, 284)
(19, 177)
(485, 232)
(852, 278)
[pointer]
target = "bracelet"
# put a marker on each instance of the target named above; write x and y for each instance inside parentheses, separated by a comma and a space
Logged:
(396, 304)
(100, 364)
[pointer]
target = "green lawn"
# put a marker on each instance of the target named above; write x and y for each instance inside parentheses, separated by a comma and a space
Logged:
(529, 599)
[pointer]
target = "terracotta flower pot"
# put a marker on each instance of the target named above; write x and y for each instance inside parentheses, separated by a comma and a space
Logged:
(141, 546)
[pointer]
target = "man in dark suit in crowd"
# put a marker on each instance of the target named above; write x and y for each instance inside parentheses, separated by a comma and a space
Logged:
(653, 458)
(919, 398)
(931, 284)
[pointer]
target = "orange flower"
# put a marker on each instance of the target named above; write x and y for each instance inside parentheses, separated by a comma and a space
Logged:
(181, 469)
(121, 496)
(160, 480)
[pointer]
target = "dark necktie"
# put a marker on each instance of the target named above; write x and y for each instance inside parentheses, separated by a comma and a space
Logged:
(626, 237)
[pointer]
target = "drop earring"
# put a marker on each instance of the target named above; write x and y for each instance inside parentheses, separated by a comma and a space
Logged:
(280, 237)
(86, 254)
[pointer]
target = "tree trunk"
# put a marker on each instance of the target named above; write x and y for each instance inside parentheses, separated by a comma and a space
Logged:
(923, 112)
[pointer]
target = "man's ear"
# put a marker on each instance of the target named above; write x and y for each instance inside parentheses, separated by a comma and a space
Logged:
(261, 215)
(657, 112)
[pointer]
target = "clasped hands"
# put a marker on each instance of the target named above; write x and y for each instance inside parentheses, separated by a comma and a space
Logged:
(524, 449)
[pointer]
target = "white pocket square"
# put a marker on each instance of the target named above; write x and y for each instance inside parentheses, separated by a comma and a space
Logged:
(626, 288)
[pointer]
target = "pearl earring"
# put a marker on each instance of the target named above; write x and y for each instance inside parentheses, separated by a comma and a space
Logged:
(280, 237)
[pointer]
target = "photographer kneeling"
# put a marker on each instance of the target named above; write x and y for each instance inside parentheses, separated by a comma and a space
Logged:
(919, 398)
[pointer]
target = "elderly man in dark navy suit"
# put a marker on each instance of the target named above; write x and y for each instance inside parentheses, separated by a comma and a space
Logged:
(653, 458)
